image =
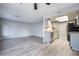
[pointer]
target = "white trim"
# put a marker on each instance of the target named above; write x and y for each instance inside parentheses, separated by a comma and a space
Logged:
(17, 37)
(8, 37)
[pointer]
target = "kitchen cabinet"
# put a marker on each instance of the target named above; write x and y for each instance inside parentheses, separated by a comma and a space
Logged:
(74, 40)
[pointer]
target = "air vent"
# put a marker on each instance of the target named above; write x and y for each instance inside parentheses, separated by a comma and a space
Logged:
(16, 16)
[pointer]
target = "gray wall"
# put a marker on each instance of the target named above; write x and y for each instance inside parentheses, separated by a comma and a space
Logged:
(13, 29)
(38, 29)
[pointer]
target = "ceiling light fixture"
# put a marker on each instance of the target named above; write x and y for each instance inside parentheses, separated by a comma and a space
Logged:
(62, 19)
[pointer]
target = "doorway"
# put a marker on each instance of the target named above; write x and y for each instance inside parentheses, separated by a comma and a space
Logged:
(63, 30)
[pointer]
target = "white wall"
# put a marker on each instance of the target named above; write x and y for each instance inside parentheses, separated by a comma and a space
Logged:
(38, 29)
(12, 29)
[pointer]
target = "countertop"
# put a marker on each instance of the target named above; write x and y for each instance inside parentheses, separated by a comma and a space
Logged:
(73, 32)
(48, 30)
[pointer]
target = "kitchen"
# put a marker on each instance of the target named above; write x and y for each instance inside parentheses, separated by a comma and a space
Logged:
(67, 29)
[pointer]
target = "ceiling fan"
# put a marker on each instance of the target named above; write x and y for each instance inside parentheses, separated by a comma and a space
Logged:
(35, 5)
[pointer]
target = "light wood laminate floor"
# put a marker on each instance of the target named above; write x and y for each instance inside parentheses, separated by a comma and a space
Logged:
(33, 46)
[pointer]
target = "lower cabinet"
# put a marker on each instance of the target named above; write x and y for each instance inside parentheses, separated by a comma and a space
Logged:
(74, 40)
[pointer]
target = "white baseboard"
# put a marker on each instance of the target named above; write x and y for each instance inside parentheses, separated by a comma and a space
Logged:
(8, 37)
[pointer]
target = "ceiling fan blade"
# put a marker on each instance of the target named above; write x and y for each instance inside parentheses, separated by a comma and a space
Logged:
(48, 3)
(35, 6)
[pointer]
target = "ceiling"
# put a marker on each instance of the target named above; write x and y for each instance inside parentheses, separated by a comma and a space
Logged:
(25, 12)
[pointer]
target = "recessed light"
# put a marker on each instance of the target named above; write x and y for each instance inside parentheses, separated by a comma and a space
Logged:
(16, 16)
(59, 12)
(21, 3)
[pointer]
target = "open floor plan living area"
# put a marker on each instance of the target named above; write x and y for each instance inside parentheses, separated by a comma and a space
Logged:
(39, 29)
